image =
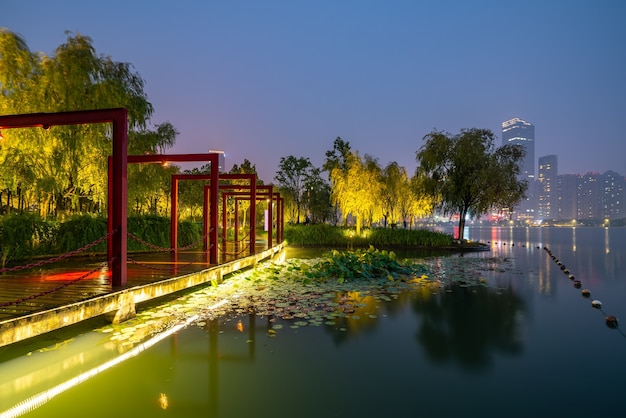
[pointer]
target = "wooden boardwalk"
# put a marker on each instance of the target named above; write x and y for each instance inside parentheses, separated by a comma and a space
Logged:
(57, 285)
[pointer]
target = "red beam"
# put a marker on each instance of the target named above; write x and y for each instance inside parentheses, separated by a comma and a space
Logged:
(163, 158)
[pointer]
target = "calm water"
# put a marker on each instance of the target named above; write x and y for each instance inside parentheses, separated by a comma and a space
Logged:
(526, 345)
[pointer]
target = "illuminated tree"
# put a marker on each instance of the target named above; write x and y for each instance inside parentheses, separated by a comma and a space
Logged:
(63, 167)
(468, 175)
(395, 190)
(356, 189)
(337, 158)
(419, 204)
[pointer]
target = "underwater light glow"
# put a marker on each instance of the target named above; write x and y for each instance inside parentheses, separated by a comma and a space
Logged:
(37, 400)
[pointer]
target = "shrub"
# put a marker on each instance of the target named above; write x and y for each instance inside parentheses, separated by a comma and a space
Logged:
(24, 236)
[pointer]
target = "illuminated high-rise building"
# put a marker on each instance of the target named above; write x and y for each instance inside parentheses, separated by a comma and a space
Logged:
(548, 198)
(519, 132)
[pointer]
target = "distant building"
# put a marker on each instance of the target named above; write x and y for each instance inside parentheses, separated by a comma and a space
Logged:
(589, 196)
(519, 132)
(612, 203)
(568, 196)
(221, 163)
(548, 198)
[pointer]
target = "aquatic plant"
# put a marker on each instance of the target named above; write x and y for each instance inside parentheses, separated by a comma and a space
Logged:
(362, 264)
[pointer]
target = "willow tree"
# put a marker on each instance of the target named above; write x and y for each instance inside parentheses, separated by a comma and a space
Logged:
(418, 203)
(149, 185)
(337, 158)
(468, 175)
(395, 190)
(356, 190)
(64, 164)
(291, 179)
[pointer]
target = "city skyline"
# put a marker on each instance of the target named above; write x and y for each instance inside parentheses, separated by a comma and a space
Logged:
(263, 80)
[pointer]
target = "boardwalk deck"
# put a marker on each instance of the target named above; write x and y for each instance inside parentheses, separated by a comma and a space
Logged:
(31, 301)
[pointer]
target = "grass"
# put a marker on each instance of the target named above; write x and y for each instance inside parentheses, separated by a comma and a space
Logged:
(323, 235)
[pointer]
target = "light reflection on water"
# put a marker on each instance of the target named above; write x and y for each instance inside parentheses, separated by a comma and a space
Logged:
(526, 345)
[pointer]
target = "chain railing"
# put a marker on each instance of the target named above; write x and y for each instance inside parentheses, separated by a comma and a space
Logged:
(177, 266)
(236, 253)
(165, 249)
(57, 258)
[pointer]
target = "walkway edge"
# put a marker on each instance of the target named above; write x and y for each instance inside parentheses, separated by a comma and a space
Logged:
(38, 323)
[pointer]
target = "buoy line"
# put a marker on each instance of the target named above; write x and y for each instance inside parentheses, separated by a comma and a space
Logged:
(611, 321)
(41, 398)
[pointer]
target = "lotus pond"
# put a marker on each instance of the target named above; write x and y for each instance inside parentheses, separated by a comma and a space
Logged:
(496, 333)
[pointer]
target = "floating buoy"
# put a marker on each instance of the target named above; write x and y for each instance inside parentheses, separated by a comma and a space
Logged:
(577, 284)
(571, 277)
(563, 267)
(586, 293)
(566, 271)
(611, 321)
(596, 304)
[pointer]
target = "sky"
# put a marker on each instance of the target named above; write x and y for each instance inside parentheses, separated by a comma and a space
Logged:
(265, 79)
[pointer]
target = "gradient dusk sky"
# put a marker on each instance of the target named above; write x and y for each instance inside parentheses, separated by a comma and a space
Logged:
(265, 79)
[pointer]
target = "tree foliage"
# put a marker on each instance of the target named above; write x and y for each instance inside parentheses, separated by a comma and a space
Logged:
(64, 169)
(467, 174)
(356, 189)
(291, 178)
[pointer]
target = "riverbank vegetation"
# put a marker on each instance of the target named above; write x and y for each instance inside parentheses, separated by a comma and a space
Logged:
(325, 235)
(25, 236)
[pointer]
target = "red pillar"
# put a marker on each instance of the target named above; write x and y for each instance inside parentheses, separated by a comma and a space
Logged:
(119, 268)
(236, 224)
(224, 222)
(109, 207)
(206, 242)
(215, 181)
(270, 216)
(252, 216)
(174, 214)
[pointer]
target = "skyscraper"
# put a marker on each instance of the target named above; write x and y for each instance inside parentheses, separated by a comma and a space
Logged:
(548, 196)
(519, 132)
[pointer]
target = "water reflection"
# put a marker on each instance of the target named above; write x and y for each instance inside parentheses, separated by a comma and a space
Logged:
(416, 347)
(464, 325)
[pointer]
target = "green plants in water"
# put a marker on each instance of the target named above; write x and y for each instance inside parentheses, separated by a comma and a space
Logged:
(362, 264)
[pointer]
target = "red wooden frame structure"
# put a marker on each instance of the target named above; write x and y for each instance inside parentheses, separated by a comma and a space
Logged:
(118, 182)
(118, 175)
(165, 158)
(265, 192)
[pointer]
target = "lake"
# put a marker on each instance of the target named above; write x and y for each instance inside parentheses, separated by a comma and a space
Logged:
(506, 334)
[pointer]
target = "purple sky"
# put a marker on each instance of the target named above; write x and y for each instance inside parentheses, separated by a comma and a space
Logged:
(265, 79)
